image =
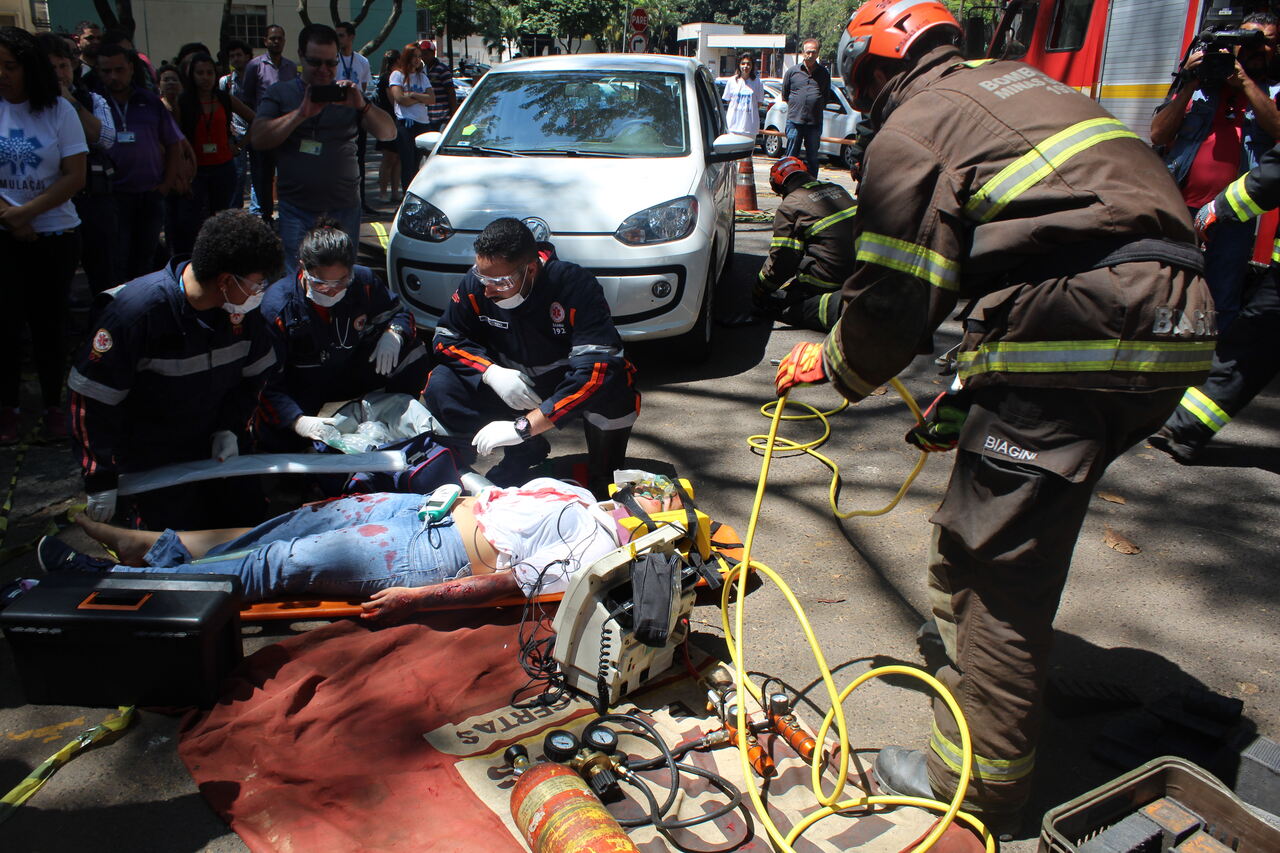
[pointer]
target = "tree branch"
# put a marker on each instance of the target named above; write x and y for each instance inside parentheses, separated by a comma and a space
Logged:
(364, 11)
(396, 6)
(302, 13)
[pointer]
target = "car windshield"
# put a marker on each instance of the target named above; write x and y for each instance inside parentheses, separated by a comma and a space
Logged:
(589, 113)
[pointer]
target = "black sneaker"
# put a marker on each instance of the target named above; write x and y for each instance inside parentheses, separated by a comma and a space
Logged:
(1182, 453)
(57, 556)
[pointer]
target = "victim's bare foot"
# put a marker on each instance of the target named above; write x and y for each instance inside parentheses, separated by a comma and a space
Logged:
(129, 546)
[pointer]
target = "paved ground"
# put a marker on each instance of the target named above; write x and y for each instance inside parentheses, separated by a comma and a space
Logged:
(1194, 608)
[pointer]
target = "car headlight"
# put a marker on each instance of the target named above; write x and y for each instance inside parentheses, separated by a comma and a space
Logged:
(662, 223)
(421, 219)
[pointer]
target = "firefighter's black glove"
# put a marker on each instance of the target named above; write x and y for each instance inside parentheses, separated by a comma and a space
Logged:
(943, 421)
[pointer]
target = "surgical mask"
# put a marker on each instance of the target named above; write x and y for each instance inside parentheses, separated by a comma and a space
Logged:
(510, 302)
(253, 301)
(245, 307)
(324, 300)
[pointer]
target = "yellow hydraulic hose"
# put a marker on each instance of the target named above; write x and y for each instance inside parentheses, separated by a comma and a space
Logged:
(831, 804)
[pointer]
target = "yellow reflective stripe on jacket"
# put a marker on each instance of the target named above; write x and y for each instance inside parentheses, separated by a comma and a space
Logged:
(827, 221)
(839, 369)
(1086, 356)
(909, 258)
(787, 243)
(829, 309)
(1275, 252)
(989, 769)
(1206, 411)
(1031, 168)
(805, 278)
(1242, 204)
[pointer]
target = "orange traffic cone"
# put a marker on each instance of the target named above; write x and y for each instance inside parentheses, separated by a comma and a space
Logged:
(744, 190)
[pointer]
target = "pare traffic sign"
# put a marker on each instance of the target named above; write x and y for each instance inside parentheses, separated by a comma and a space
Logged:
(639, 20)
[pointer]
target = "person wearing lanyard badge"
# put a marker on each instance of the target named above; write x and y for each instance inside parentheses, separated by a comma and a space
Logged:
(315, 142)
(354, 66)
(148, 162)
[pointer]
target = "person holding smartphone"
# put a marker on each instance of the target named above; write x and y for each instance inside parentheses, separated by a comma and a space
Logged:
(311, 123)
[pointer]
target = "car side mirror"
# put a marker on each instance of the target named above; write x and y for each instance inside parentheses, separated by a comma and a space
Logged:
(730, 146)
(427, 141)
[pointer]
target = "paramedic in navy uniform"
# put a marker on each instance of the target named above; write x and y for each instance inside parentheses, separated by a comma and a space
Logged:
(339, 334)
(172, 374)
(526, 342)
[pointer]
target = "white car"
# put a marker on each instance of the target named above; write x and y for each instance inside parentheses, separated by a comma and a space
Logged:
(620, 160)
(839, 121)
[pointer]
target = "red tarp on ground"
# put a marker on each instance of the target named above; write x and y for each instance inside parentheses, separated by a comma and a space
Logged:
(346, 738)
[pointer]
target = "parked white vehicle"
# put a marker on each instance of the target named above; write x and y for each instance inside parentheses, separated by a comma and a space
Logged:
(839, 121)
(620, 160)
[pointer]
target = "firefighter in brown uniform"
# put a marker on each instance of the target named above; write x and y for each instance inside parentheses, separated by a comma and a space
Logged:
(811, 253)
(1086, 318)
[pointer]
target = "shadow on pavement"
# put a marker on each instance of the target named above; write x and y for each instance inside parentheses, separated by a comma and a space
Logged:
(183, 823)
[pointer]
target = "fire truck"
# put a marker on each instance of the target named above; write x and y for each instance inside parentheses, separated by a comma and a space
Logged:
(1121, 53)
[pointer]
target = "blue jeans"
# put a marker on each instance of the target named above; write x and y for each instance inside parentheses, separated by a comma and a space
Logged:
(262, 171)
(241, 162)
(808, 135)
(1226, 260)
(346, 548)
(296, 222)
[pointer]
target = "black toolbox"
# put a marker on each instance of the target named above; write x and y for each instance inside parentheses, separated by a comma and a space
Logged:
(125, 638)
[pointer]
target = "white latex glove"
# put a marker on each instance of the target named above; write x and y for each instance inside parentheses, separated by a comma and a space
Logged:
(512, 386)
(386, 355)
(315, 429)
(495, 435)
(224, 445)
(102, 505)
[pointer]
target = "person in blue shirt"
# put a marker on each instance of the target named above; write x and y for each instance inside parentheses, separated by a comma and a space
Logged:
(339, 333)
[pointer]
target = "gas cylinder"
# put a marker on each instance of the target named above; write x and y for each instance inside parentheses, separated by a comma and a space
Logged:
(556, 812)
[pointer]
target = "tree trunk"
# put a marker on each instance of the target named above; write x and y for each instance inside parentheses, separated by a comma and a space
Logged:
(224, 31)
(120, 18)
(396, 6)
(302, 13)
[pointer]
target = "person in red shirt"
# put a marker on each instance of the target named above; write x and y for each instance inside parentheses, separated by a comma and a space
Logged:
(204, 114)
(1215, 130)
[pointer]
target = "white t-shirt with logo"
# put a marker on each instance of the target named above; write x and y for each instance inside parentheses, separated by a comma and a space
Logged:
(417, 82)
(545, 531)
(32, 146)
(743, 98)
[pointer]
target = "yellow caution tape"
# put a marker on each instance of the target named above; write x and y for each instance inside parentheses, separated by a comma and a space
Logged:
(27, 788)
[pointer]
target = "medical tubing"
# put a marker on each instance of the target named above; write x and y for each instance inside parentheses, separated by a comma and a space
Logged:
(656, 740)
(734, 638)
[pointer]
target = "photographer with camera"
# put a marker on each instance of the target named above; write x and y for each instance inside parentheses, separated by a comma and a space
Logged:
(311, 123)
(1221, 120)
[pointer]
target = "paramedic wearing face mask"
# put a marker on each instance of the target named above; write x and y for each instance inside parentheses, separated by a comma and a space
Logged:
(339, 334)
(172, 374)
(526, 343)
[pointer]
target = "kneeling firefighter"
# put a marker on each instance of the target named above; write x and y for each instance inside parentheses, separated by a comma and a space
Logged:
(1088, 316)
(811, 253)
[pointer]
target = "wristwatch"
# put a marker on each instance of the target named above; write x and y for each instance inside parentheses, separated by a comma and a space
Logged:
(522, 428)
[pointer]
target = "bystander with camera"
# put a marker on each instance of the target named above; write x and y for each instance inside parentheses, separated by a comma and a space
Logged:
(1217, 125)
(310, 124)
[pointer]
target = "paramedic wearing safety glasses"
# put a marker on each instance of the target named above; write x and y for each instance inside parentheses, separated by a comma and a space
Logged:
(1087, 316)
(339, 334)
(172, 374)
(527, 342)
